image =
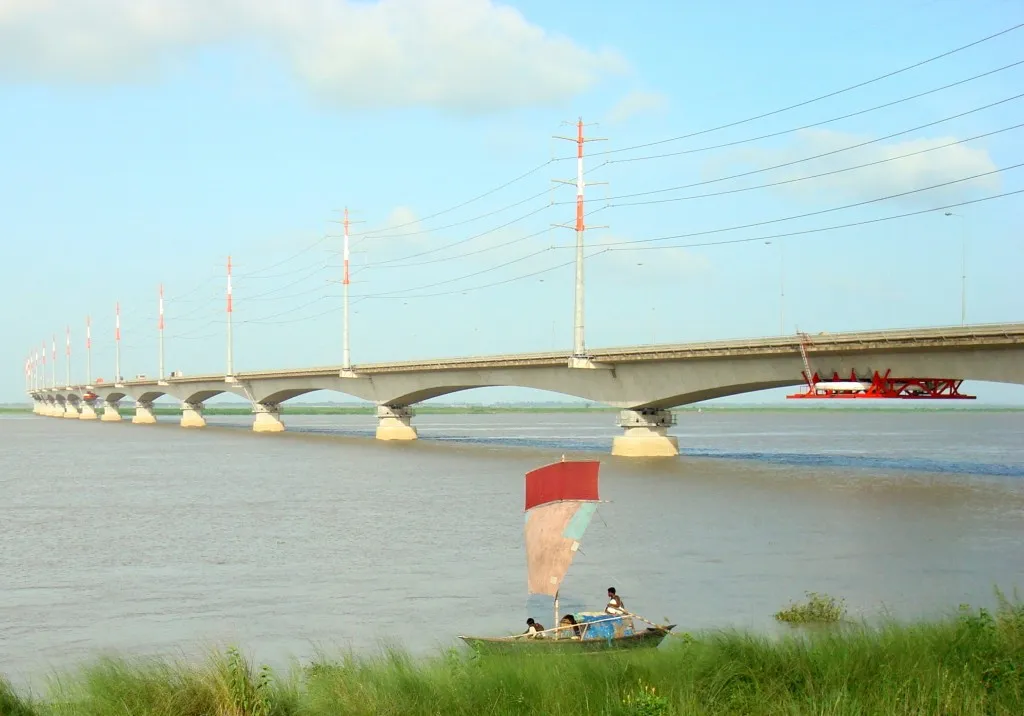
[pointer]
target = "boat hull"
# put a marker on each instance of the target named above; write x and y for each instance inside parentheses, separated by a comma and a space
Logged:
(649, 638)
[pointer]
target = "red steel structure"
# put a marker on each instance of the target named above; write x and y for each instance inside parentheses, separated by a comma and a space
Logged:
(877, 386)
(882, 385)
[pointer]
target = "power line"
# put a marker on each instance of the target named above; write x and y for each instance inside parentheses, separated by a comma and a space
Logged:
(457, 223)
(253, 274)
(478, 251)
(815, 176)
(801, 128)
(607, 248)
(471, 253)
(278, 289)
(821, 211)
(616, 246)
(487, 285)
(462, 278)
(496, 189)
(385, 262)
(824, 154)
(815, 99)
(815, 156)
(460, 242)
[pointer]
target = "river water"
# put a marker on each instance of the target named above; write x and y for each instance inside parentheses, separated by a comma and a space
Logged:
(155, 539)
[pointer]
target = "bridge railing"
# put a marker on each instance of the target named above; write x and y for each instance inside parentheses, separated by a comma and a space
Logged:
(909, 337)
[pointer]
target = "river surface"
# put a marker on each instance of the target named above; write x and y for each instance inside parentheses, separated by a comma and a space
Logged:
(159, 540)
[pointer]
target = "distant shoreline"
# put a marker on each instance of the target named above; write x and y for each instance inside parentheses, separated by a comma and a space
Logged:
(234, 409)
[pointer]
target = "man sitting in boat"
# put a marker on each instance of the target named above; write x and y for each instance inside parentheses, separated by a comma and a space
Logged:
(533, 628)
(615, 605)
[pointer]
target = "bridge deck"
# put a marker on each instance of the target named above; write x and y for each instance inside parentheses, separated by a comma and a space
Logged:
(992, 335)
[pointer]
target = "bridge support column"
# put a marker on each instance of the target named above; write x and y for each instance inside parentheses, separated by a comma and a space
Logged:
(143, 413)
(71, 411)
(110, 412)
(192, 415)
(268, 418)
(394, 423)
(37, 406)
(88, 408)
(646, 434)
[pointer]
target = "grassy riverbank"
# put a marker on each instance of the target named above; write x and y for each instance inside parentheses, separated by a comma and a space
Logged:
(970, 663)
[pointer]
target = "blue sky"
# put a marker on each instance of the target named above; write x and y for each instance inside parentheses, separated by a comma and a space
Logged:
(143, 142)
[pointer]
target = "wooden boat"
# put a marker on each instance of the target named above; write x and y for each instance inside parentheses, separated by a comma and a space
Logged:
(561, 499)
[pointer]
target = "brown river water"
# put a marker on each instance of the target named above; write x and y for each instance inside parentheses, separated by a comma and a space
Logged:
(159, 540)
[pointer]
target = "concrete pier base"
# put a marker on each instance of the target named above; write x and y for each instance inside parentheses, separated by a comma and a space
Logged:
(267, 419)
(53, 409)
(646, 434)
(70, 410)
(110, 413)
(88, 411)
(143, 413)
(37, 407)
(395, 423)
(192, 415)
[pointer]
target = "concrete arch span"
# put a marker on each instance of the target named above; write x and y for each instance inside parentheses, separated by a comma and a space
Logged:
(663, 385)
(644, 381)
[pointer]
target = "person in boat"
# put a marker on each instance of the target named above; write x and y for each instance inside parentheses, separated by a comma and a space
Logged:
(570, 620)
(615, 605)
(533, 628)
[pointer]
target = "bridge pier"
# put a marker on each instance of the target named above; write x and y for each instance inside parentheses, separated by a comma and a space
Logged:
(88, 410)
(53, 408)
(143, 413)
(111, 414)
(37, 406)
(192, 415)
(646, 434)
(268, 418)
(394, 422)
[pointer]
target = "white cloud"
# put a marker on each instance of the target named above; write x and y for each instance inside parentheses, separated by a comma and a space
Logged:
(634, 103)
(401, 220)
(891, 177)
(467, 55)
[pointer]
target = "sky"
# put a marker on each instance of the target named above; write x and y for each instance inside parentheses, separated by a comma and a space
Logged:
(142, 142)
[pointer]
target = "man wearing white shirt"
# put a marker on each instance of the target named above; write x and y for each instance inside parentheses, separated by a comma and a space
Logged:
(615, 605)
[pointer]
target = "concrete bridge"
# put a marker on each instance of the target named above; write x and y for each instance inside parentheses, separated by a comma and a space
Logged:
(643, 381)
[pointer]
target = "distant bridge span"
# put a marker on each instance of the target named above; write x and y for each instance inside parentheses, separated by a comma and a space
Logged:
(644, 381)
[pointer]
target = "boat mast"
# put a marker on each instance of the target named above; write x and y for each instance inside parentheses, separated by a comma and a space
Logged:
(556, 615)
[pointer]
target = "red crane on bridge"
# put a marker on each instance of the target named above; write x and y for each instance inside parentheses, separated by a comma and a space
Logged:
(878, 385)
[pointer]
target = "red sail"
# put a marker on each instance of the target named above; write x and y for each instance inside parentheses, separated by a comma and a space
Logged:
(562, 481)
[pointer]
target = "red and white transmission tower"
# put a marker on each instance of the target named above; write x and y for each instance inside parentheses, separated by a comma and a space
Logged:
(88, 350)
(53, 346)
(346, 354)
(579, 350)
(160, 328)
(117, 343)
(67, 350)
(229, 376)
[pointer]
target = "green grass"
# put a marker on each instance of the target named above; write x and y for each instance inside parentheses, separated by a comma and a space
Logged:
(969, 663)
